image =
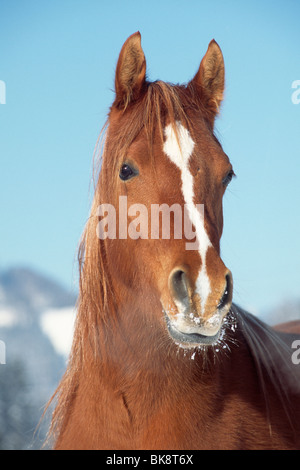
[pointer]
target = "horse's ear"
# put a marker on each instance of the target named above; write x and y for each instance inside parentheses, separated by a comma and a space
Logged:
(209, 81)
(131, 72)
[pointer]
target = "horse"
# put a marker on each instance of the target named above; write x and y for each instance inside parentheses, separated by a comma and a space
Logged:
(162, 358)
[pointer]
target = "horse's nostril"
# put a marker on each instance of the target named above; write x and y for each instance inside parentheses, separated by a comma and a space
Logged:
(179, 285)
(227, 295)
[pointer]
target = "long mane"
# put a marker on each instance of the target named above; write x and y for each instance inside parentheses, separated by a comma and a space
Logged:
(271, 352)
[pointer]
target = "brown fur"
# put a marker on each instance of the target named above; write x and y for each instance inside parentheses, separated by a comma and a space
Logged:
(128, 385)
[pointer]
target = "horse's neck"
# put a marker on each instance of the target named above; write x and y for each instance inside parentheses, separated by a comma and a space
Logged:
(142, 364)
(144, 392)
(163, 396)
(140, 367)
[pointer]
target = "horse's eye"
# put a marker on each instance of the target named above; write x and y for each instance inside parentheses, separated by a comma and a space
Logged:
(127, 172)
(228, 178)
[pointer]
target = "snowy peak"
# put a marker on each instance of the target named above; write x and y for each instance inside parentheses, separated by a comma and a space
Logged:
(29, 301)
(36, 329)
(23, 288)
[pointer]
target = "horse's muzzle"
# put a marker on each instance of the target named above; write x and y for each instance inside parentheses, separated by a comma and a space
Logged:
(189, 323)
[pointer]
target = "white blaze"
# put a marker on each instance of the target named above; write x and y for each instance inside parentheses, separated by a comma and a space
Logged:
(179, 151)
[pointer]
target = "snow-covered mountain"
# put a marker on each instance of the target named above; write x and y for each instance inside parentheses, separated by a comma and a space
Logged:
(36, 326)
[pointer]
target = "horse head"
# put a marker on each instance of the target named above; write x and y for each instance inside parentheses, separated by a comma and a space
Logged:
(163, 162)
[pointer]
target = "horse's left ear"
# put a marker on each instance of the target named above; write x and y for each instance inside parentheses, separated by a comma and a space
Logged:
(131, 72)
(209, 81)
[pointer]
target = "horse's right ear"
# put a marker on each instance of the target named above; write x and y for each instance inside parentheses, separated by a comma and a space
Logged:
(130, 73)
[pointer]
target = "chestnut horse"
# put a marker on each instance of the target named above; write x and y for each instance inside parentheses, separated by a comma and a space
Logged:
(161, 358)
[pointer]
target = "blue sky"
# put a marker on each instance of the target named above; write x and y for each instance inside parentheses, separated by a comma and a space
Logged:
(57, 60)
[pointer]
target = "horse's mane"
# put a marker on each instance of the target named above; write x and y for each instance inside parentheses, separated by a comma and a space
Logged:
(97, 306)
(271, 352)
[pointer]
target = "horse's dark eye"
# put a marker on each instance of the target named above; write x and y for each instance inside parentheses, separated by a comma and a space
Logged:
(127, 172)
(228, 178)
